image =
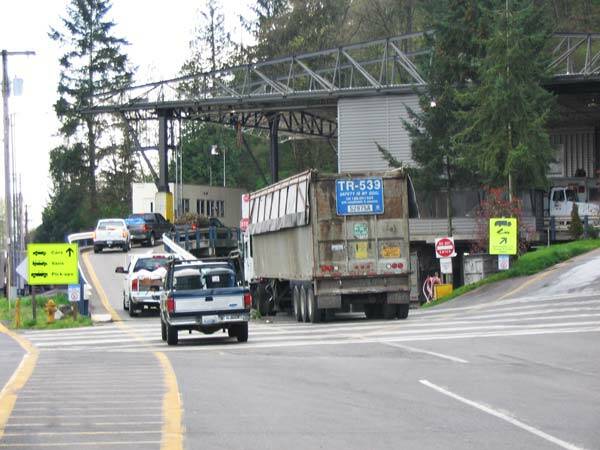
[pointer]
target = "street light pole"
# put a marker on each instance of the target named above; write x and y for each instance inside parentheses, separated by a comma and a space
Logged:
(7, 193)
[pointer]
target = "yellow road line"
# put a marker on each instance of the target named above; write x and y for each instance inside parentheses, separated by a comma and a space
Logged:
(98, 286)
(527, 283)
(172, 431)
(8, 395)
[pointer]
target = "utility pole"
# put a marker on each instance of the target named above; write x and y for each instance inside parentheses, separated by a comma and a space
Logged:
(7, 195)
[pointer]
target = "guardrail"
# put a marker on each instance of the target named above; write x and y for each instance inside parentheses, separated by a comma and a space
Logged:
(172, 247)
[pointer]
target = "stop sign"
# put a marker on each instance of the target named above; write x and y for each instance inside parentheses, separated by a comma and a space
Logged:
(444, 247)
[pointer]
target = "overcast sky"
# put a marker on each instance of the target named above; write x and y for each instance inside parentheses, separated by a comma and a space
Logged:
(159, 32)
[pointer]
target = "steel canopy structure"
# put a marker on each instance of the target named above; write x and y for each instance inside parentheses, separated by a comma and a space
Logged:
(299, 94)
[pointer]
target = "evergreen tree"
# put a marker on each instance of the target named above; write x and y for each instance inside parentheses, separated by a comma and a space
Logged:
(575, 226)
(456, 48)
(506, 133)
(92, 62)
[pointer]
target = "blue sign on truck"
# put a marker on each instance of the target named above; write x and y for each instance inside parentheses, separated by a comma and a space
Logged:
(359, 196)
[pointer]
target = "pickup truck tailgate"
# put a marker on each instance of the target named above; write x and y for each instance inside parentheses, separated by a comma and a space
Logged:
(208, 302)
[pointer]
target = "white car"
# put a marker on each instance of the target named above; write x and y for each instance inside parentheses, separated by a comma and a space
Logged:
(111, 233)
(143, 283)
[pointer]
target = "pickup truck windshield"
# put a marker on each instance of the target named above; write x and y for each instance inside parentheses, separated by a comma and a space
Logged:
(105, 225)
(150, 264)
(190, 278)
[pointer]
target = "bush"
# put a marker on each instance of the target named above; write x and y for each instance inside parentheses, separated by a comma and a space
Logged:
(575, 227)
(192, 219)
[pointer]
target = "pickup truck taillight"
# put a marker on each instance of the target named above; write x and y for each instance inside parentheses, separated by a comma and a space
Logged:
(170, 304)
(247, 300)
(124, 233)
(134, 284)
(94, 236)
(146, 228)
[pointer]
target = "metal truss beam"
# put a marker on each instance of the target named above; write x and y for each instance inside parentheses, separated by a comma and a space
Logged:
(575, 54)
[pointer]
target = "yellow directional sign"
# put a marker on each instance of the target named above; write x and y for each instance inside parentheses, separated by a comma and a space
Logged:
(53, 264)
(503, 236)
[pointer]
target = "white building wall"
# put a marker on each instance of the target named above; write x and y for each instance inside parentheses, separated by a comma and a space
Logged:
(143, 200)
(365, 121)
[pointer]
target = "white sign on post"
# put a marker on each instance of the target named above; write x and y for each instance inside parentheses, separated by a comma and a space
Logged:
(74, 293)
(446, 265)
(503, 262)
(444, 247)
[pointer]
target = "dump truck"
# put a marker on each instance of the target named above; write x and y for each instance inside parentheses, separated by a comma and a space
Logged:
(318, 243)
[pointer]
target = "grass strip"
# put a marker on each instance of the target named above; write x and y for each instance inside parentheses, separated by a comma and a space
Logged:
(7, 314)
(528, 264)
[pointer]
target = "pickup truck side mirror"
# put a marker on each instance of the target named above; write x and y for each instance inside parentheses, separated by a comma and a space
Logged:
(120, 269)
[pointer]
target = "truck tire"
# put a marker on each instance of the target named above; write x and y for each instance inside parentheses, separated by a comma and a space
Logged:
(125, 305)
(261, 300)
(152, 240)
(172, 335)
(303, 305)
(313, 313)
(370, 310)
(402, 311)
(389, 311)
(97, 249)
(242, 332)
(163, 330)
(296, 304)
(132, 312)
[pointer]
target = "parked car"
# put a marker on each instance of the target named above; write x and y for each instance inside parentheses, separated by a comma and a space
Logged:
(206, 297)
(143, 281)
(146, 228)
(111, 233)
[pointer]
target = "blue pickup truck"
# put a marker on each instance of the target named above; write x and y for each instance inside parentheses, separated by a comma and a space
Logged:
(203, 296)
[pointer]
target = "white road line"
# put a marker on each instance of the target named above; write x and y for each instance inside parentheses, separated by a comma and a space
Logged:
(415, 338)
(78, 416)
(78, 444)
(427, 352)
(72, 424)
(321, 331)
(503, 416)
(81, 433)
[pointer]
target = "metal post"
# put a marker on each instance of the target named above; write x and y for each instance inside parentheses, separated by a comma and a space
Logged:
(7, 194)
(224, 150)
(163, 153)
(8, 204)
(273, 134)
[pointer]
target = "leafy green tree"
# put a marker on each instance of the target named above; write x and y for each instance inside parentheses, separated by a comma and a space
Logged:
(506, 133)
(92, 62)
(458, 29)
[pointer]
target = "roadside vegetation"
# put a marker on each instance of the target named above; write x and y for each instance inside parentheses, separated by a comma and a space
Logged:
(7, 314)
(528, 264)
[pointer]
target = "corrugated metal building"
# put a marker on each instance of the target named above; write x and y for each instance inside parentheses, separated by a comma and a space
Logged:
(364, 122)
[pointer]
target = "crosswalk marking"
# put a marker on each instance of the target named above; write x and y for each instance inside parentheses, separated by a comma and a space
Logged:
(513, 317)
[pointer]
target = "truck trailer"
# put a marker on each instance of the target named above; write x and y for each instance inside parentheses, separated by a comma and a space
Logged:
(320, 243)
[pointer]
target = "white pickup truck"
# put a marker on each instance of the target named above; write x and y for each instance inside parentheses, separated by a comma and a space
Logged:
(206, 297)
(111, 233)
(560, 205)
(143, 281)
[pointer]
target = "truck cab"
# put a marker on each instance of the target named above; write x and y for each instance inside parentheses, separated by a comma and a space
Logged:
(561, 200)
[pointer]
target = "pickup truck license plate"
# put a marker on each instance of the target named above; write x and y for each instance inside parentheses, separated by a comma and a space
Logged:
(209, 320)
(109, 242)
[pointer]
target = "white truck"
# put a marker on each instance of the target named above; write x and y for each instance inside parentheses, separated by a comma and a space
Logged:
(143, 281)
(560, 203)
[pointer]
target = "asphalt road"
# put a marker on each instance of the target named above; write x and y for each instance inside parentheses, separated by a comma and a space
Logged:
(515, 365)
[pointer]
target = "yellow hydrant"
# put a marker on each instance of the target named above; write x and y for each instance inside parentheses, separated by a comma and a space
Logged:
(50, 310)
